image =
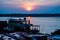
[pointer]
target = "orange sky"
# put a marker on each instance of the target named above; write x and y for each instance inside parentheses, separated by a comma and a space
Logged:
(28, 6)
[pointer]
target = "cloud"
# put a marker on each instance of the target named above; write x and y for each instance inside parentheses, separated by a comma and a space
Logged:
(8, 5)
(38, 2)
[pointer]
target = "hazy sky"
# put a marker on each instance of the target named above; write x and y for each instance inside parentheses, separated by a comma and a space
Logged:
(29, 6)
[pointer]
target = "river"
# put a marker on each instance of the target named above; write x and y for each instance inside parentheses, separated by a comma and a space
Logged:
(47, 24)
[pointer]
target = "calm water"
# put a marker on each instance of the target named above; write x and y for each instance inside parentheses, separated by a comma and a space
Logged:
(47, 24)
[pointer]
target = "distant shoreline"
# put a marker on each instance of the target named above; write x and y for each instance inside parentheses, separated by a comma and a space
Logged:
(32, 15)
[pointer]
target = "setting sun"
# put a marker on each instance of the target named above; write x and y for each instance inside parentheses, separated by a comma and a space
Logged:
(28, 8)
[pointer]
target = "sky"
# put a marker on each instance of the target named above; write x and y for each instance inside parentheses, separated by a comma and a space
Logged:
(30, 6)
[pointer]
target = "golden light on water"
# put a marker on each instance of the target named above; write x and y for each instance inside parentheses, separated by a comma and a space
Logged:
(29, 19)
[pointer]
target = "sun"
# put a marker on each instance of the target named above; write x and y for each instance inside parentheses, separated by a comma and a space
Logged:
(28, 8)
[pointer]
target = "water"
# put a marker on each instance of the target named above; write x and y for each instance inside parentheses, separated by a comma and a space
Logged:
(47, 24)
